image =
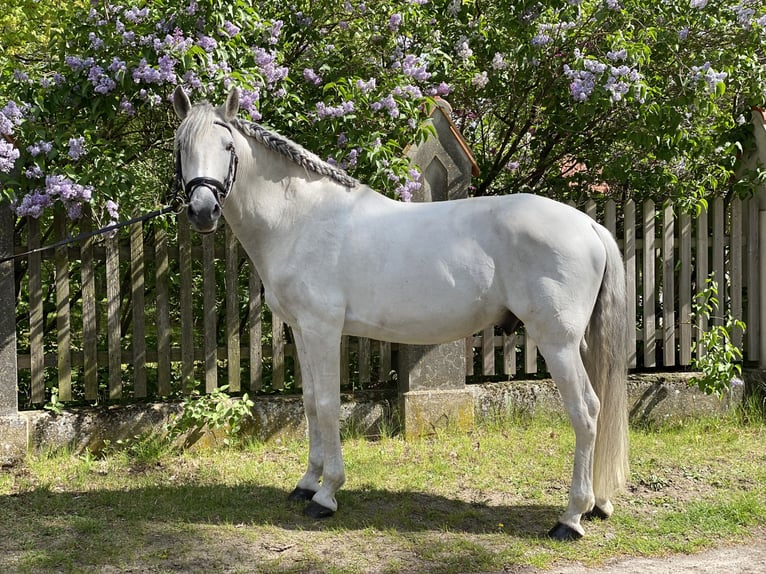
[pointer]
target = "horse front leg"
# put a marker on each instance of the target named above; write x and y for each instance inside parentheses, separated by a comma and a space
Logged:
(309, 484)
(319, 355)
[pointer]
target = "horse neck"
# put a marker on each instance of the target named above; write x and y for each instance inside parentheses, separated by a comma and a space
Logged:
(273, 197)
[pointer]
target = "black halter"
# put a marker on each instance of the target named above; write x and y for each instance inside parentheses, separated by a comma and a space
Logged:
(220, 189)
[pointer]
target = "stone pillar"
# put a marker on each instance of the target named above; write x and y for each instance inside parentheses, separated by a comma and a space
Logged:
(432, 392)
(13, 428)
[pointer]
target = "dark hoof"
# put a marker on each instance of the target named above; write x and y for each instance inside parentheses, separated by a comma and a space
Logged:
(595, 514)
(301, 495)
(563, 533)
(317, 511)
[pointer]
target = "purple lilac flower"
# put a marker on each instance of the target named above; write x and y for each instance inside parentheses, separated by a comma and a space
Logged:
(66, 189)
(76, 63)
(414, 67)
(698, 4)
(33, 204)
(325, 111)
(455, 7)
(230, 29)
(463, 49)
(248, 101)
(21, 77)
(33, 172)
(394, 22)
(39, 147)
(709, 75)
(102, 84)
(389, 103)
(167, 69)
(206, 43)
(582, 83)
(76, 148)
(117, 65)
(412, 183)
(311, 76)
(95, 41)
(443, 89)
(8, 156)
(275, 31)
(266, 61)
(613, 4)
(134, 15)
(541, 40)
(498, 62)
(366, 87)
(112, 209)
(126, 107)
(617, 55)
(146, 74)
(351, 158)
(480, 80)
(191, 9)
(512, 166)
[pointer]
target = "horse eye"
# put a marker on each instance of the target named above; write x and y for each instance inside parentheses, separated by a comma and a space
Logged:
(229, 146)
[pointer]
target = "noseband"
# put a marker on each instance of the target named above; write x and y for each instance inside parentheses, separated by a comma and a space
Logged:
(219, 189)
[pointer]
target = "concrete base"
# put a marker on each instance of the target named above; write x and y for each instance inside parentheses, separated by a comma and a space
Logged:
(14, 438)
(653, 398)
(425, 412)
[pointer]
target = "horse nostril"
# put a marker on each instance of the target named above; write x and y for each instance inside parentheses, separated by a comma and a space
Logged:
(216, 210)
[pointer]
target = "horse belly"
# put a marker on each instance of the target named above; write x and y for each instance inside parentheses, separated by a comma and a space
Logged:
(428, 302)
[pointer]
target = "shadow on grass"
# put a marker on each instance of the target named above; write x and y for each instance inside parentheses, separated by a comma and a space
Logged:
(254, 505)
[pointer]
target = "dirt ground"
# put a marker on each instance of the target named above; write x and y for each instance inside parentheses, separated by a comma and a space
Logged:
(746, 559)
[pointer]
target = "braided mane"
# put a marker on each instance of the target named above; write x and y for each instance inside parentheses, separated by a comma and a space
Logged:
(294, 152)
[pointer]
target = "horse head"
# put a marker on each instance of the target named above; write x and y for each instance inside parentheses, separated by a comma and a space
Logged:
(206, 159)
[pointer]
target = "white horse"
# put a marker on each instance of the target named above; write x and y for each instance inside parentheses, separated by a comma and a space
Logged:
(335, 258)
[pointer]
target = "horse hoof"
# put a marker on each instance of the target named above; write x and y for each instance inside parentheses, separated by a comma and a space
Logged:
(563, 533)
(317, 511)
(595, 514)
(301, 495)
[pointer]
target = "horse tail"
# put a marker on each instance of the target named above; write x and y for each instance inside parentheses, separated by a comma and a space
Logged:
(605, 356)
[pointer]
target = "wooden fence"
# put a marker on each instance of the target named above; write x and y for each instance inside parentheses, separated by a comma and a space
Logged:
(152, 311)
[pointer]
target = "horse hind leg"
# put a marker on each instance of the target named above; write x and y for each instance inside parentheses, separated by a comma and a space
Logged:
(582, 405)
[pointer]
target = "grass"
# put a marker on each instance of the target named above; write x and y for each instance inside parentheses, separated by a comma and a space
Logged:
(476, 502)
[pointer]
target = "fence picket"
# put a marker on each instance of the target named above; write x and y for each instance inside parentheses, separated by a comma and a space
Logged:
(735, 267)
(89, 314)
(684, 290)
(718, 260)
(753, 286)
(232, 311)
(629, 256)
(702, 270)
(209, 318)
(162, 310)
(36, 319)
(114, 336)
(185, 303)
(488, 350)
(648, 285)
(137, 283)
(255, 331)
(63, 313)
(668, 288)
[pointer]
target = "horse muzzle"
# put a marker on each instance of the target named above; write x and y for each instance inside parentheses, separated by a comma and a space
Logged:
(203, 209)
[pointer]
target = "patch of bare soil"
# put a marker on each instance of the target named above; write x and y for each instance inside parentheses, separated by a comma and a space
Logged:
(746, 559)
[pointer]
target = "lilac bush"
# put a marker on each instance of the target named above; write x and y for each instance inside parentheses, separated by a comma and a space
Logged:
(647, 97)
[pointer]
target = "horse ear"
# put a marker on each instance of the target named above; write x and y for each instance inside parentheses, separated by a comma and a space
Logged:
(232, 105)
(181, 103)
